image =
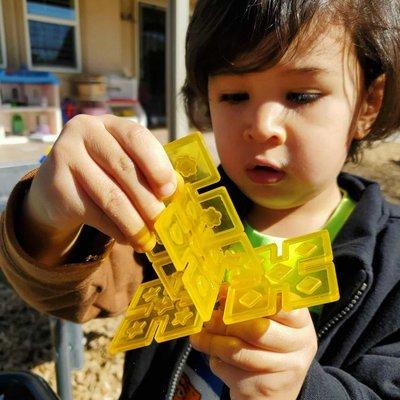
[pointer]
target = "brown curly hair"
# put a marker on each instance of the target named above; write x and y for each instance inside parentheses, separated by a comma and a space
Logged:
(222, 31)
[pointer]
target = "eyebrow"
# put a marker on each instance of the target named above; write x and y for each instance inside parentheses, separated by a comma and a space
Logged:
(305, 70)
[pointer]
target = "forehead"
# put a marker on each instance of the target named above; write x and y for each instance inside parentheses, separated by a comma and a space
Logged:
(322, 47)
(324, 54)
(320, 51)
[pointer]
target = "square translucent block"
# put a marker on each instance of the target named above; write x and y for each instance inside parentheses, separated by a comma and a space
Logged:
(170, 278)
(189, 156)
(201, 242)
(304, 276)
(153, 315)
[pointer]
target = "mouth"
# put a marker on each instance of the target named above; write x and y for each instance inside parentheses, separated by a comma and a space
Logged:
(264, 174)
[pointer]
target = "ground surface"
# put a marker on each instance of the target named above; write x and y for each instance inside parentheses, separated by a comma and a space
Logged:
(25, 335)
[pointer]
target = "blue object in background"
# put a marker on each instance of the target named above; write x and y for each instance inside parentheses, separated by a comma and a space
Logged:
(23, 75)
(51, 10)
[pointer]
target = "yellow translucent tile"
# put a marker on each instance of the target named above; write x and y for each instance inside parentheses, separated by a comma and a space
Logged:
(200, 238)
(250, 298)
(279, 272)
(244, 267)
(243, 304)
(312, 279)
(306, 249)
(189, 156)
(309, 285)
(170, 278)
(202, 286)
(303, 276)
(181, 227)
(229, 223)
(153, 315)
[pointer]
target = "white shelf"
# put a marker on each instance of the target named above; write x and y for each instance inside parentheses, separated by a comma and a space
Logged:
(14, 140)
(41, 99)
(28, 109)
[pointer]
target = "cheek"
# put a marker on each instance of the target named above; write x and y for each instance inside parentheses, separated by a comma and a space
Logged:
(319, 154)
(321, 138)
(226, 134)
(321, 159)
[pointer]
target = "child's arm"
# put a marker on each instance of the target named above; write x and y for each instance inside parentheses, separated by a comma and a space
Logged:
(265, 358)
(103, 172)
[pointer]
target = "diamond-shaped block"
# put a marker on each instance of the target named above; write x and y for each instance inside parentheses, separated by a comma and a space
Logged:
(279, 272)
(306, 249)
(250, 299)
(308, 285)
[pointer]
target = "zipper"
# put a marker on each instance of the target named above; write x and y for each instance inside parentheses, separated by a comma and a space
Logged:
(333, 321)
(178, 372)
(321, 332)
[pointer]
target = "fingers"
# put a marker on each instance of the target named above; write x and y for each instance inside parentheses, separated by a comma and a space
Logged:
(269, 335)
(95, 217)
(243, 383)
(231, 376)
(116, 209)
(295, 319)
(238, 353)
(114, 175)
(250, 385)
(123, 172)
(113, 159)
(266, 333)
(137, 142)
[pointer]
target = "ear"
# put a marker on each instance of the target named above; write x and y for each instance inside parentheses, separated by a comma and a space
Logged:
(370, 106)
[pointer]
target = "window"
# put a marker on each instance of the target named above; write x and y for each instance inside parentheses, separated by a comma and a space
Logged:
(3, 54)
(52, 35)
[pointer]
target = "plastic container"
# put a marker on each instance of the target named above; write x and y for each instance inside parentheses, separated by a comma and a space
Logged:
(17, 125)
(119, 87)
(91, 88)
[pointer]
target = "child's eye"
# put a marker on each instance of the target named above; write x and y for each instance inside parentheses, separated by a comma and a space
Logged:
(302, 98)
(234, 98)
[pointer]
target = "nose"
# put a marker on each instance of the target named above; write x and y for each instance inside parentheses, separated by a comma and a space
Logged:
(266, 125)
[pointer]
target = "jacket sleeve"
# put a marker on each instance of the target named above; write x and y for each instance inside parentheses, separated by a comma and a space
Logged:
(375, 375)
(373, 369)
(98, 280)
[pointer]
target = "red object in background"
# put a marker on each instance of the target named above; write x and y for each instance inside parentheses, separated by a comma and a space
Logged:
(69, 109)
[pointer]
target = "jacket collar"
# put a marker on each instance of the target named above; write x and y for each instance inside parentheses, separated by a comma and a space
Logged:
(354, 246)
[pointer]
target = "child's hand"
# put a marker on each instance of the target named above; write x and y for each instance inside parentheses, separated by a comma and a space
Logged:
(265, 358)
(105, 172)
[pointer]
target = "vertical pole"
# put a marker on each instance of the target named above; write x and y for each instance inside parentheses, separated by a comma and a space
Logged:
(177, 23)
(62, 359)
(68, 346)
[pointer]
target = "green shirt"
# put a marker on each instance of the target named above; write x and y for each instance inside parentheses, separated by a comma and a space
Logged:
(333, 226)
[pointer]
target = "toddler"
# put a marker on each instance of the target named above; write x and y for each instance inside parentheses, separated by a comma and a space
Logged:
(292, 89)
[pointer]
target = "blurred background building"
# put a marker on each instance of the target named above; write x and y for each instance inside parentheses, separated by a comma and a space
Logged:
(99, 56)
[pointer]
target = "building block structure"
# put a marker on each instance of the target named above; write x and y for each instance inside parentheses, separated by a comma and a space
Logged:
(201, 244)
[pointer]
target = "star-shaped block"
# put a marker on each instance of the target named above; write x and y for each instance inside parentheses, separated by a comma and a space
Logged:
(153, 315)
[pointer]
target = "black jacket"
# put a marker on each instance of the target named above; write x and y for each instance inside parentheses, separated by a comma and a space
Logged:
(359, 336)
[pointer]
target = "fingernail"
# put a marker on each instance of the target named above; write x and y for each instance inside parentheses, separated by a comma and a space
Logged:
(167, 190)
(150, 244)
(144, 240)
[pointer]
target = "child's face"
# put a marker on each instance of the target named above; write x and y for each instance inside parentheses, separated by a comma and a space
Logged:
(296, 117)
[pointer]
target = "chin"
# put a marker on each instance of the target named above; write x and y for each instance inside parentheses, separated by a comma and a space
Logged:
(272, 202)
